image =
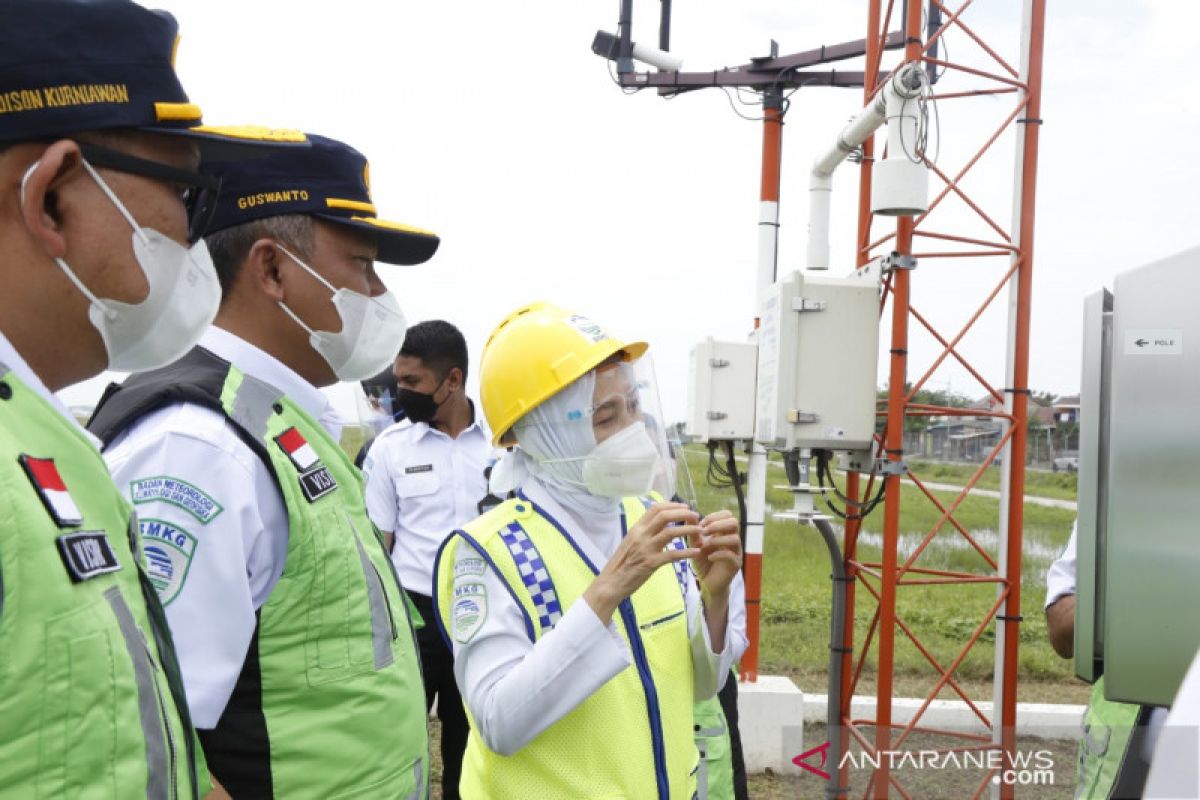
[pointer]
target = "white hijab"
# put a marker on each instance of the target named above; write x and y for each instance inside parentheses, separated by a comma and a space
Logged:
(550, 449)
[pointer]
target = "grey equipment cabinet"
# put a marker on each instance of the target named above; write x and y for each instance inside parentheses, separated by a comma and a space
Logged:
(1149, 588)
(1093, 484)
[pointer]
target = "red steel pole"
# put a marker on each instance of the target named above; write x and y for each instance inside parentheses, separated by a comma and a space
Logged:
(1036, 16)
(897, 400)
(768, 240)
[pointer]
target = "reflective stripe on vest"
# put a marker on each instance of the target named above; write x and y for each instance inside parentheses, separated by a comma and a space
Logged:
(655, 760)
(715, 776)
(340, 693)
(78, 650)
(329, 701)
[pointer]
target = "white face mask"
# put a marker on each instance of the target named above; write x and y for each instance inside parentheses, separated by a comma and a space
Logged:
(372, 331)
(623, 465)
(182, 301)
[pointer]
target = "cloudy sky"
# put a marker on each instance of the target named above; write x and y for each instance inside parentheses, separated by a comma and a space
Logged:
(494, 125)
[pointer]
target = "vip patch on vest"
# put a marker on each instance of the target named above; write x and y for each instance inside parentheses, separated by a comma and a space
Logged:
(87, 554)
(48, 483)
(317, 483)
(302, 454)
(469, 611)
(177, 492)
(168, 550)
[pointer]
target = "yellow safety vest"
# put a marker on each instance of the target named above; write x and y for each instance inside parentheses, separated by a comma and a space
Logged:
(633, 738)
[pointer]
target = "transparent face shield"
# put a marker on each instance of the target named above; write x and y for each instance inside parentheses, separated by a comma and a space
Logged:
(685, 487)
(377, 406)
(604, 433)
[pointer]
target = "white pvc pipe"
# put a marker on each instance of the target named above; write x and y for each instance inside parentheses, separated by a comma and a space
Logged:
(768, 243)
(906, 84)
(659, 59)
(820, 190)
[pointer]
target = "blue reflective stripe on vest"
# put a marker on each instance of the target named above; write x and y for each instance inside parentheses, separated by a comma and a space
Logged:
(682, 567)
(534, 574)
(639, 656)
(483, 553)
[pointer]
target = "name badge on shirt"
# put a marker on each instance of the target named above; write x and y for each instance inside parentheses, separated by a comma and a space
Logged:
(87, 554)
(418, 468)
(315, 479)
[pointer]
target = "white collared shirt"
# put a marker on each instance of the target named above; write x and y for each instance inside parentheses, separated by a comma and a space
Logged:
(1060, 578)
(516, 689)
(420, 486)
(215, 531)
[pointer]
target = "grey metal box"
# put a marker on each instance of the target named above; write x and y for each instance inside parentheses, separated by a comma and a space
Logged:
(721, 391)
(818, 352)
(1093, 484)
(1151, 579)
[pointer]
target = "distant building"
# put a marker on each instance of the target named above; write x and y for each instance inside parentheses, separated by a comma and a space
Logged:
(1066, 408)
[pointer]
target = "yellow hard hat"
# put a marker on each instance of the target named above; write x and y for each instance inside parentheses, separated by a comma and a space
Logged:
(534, 353)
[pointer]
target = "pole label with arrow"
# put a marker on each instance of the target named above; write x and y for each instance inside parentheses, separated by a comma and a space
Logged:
(1159, 342)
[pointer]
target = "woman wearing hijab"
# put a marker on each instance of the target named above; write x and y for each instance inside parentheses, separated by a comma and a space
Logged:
(586, 616)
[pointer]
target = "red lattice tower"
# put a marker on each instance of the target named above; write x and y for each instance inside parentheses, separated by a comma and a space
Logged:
(980, 72)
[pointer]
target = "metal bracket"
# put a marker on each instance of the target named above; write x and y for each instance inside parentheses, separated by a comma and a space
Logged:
(888, 468)
(806, 304)
(898, 261)
(794, 416)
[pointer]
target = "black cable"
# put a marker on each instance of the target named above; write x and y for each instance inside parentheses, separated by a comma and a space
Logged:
(864, 508)
(717, 475)
(731, 462)
(613, 75)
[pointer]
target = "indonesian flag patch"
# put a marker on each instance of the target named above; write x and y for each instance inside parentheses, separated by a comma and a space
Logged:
(315, 480)
(43, 474)
(298, 449)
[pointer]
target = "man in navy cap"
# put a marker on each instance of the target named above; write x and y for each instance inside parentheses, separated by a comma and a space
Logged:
(292, 628)
(99, 267)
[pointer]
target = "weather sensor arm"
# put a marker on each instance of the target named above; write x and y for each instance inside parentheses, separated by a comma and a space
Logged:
(905, 85)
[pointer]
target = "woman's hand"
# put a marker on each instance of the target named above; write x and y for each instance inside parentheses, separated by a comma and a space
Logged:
(642, 551)
(720, 552)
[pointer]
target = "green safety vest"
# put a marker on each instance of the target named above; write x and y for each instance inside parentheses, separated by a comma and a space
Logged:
(330, 702)
(716, 750)
(633, 737)
(91, 705)
(1104, 746)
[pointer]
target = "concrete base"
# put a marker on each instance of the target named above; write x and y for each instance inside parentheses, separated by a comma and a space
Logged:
(771, 713)
(1039, 720)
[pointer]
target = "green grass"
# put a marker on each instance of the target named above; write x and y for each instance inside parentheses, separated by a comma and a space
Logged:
(352, 439)
(796, 594)
(1061, 485)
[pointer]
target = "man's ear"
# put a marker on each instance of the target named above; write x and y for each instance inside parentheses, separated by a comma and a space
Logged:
(262, 268)
(454, 379)
(59, 164)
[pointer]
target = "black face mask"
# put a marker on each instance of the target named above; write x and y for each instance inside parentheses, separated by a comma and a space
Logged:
(419, 406)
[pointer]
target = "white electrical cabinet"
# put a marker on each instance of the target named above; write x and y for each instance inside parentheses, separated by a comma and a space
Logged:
(721, 391)
(818, 347)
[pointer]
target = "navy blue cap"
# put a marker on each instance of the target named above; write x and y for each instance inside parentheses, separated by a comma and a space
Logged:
(329, 180)
(70, 66)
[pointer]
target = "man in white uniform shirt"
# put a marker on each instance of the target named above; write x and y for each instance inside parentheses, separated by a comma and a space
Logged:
(296, 651)
(425, 478)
